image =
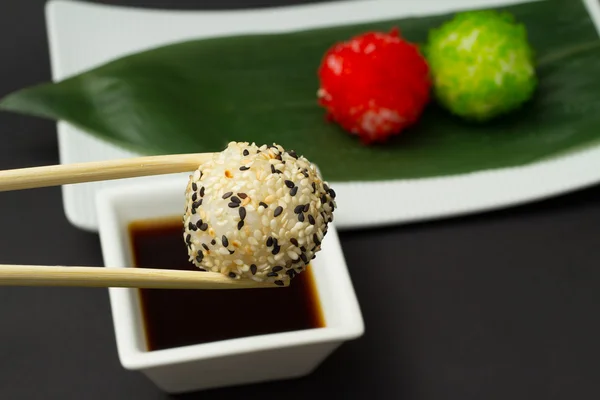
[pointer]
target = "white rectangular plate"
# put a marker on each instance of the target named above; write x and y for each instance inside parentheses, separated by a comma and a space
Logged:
(83, 36)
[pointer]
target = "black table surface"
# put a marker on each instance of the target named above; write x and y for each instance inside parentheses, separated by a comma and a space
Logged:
(502, 305)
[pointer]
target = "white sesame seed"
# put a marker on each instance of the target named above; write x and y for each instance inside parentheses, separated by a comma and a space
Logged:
(297, 227)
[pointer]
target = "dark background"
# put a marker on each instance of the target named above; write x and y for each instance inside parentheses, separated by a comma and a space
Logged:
(496, 306)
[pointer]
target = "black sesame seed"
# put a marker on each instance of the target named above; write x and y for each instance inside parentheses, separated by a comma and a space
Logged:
(269, 241)
(294, 241)
(272, 274)
(279, 283)
(242, 195)
(291, 273)
(232, 275)
(199, 252)
(194, 187)
(323, 199)
(227, 195)
(293, 191)
(275, 242)
(196, 204)
(305, 173)
(303, 249)
(332, 193)
(278, 171)
(213, 242)
(199, 259)
(304, 259)
(202, 191)
(314, 187)
(194, 196)
(246, 152)
(331, 205)
(289, 183)
(298, 209)
(242, 211)
(292, 153)
(193, 210)
(188, 238)
(301, 217)
(311, 219)
(306, 207)
(316, 239)
(275, 250)
(244, 168)
(278, 211)
(204, 227)
(191, 226)
(296, 261)
(240, 225)
(326, 187)
(199, 223)
(277, 269)
(253, 269)
(313, 257)
(265, 205)
(235, 199)
(224, 241)
(233, 205)
(272, 169)
(231, 251)
(205, 246)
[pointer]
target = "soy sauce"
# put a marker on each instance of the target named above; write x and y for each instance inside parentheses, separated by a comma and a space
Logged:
(174, 318)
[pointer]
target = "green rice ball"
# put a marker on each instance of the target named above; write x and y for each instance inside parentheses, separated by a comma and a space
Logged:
(482, 64)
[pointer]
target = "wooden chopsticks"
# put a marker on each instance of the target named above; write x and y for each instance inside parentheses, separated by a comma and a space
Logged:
(54, 175)
(37, 275)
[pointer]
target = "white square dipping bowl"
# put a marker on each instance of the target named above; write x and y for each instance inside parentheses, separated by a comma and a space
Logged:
(229, 362)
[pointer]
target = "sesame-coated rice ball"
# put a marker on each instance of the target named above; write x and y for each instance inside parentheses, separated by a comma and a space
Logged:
(256, 212)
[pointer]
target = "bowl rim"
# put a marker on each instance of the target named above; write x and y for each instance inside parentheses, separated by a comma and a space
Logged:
(109, 201)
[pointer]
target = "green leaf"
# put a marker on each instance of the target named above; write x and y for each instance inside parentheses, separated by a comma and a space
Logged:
(198, 95)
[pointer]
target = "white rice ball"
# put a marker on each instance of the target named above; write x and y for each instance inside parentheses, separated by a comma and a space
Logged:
(256, 212)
